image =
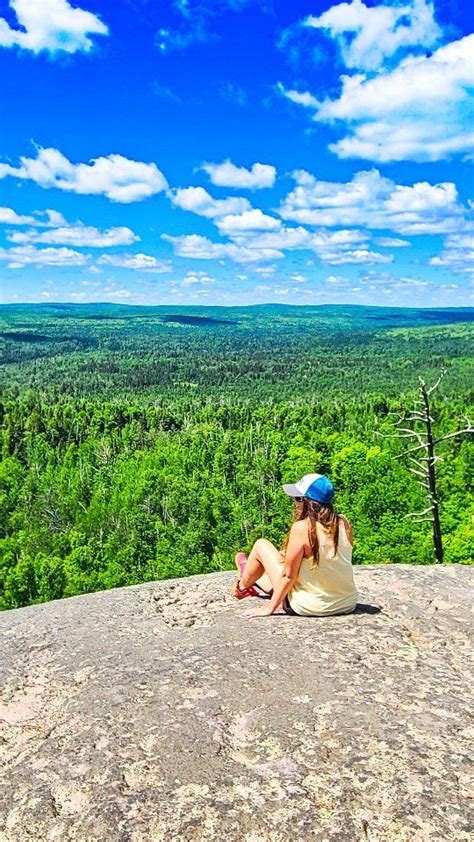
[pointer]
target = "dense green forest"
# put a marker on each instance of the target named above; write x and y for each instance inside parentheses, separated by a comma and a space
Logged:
(140, 443)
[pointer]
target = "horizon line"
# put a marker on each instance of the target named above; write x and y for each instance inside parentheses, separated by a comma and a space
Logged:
(229, 306)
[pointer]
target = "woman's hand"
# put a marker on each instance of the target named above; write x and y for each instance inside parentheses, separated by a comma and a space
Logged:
(264, 612)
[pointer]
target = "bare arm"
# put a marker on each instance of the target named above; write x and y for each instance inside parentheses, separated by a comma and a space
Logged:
(348, 529)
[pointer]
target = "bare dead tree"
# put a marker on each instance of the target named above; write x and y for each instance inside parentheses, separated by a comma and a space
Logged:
(422, 455)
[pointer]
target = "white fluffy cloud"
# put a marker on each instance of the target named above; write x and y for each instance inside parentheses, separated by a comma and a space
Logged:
(283, 239)
(299, 97)
(41, 219)
(116, 177)
(248, 221)
(199, 201)
(228, 174)
(263, 270)
(21, 256)
(392, 242)
(298, 279)
(362, 256)
(255, 236)
(389, 116)
(374, 201)
(76, 235)
(9, 217)
(201, 248)
(49, 219)
(61, 232)
(368, 35)
(138, 262)
(51, 25)
(333, 248)
(197, 278)
(457, 254)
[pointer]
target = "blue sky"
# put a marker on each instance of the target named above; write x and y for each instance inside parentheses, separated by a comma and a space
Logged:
(235, 152)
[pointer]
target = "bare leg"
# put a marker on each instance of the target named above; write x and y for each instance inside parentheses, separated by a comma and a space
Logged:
(265, 582)
(263, 565)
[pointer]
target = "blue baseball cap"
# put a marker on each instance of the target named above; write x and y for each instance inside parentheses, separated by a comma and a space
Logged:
(313, 486)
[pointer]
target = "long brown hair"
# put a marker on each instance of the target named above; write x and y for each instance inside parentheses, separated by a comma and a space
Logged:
(317, 513)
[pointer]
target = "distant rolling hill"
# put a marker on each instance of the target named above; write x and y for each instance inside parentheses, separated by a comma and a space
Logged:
(266, 349)
(335, 316)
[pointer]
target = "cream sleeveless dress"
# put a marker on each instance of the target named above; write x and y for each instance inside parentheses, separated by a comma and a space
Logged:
(330, 587)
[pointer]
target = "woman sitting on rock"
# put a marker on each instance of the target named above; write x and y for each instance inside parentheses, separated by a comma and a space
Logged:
(312, 574)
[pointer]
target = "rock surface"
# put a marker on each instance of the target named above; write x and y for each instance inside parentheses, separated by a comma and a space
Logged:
(162, 712)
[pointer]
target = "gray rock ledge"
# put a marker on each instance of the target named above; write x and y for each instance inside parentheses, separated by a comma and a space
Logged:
(161, 712)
